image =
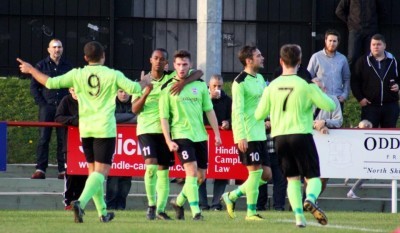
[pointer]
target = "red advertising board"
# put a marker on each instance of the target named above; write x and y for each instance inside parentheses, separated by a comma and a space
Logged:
(223, 160)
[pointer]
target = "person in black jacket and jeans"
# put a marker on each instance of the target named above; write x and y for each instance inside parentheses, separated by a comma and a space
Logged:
(48, 100)
(375, 85)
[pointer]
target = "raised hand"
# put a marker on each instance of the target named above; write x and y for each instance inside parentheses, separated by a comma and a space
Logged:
(25, 67)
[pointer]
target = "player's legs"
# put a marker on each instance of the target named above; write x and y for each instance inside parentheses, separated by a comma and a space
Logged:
(99, 151)
(292, 172)
(193, 155)
(255, 158)
(157, 159)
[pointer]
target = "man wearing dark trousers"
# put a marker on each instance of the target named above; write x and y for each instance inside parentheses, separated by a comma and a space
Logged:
(48, 100)
(375, 85)
(222, 104)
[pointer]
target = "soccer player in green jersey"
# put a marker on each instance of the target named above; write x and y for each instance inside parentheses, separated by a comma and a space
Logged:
(156, 153)
(249, 133)
(96, 87)
(289, 101)
(183, 128)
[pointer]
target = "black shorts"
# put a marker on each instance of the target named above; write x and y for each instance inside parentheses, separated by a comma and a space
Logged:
(257, 153)
(193, 151)
(154, 146)
(298, 155)
(99, 149)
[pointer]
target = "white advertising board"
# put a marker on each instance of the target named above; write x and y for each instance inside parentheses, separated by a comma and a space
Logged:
(359, 153)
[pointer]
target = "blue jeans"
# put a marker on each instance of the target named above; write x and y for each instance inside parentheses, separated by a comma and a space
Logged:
(117, 190)
(47, 114)
(219, 189)
(279, 189)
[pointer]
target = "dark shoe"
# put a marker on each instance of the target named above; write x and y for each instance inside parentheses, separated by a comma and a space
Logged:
(204, 208)
(38, 175)
(198, 217)
(61, 175)
(110, 216)
(151, 213)
(78, 211)
(163, 216)
(318, 214)
(179, 211)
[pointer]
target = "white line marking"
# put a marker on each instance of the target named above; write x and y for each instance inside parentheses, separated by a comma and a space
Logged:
(334, 226)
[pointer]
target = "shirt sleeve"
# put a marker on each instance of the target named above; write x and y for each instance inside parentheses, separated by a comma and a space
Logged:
(312, 66)
(238, 110)
(263, 107)
(320, 99)
(164, 104)
(346, 79)
(63, 81)
(127, 85)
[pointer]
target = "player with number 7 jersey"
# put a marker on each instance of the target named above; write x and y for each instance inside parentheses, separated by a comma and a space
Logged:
(285, 98)
(289, 101)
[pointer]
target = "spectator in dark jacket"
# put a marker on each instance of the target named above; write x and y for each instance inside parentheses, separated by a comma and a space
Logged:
(118, 187)
(223, 108)
(48, 101)
(362, 18)
(67, 114)
(375, 85)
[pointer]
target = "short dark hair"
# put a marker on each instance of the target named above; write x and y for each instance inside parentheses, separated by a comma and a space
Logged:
(332, 32)
(163, 51)
(246, 52)
(290, 54)
(379, 37)
(182, 54)
(93, 51)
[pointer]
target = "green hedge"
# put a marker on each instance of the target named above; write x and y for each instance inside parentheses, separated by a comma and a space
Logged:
(16, 104)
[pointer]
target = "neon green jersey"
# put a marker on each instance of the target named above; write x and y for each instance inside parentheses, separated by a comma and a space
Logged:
(289, 101)
(96, 87)
(246, 93)
(148, 120)
(185, 111)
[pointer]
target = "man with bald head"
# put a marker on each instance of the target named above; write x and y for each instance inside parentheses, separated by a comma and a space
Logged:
(48, 100)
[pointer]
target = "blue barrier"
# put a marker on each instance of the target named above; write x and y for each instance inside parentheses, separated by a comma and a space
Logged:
(3, 146)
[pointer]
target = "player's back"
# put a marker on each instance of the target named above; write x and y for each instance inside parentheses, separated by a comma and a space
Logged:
(96, 88)
(291, 105)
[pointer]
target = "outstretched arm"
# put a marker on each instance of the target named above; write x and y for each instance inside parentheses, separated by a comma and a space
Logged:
(178, 86)
(27, 68)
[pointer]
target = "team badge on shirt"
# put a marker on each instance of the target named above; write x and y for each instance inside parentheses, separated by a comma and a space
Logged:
(194, 91)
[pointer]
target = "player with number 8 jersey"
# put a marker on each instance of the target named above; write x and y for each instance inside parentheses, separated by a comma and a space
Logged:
(155, 151)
